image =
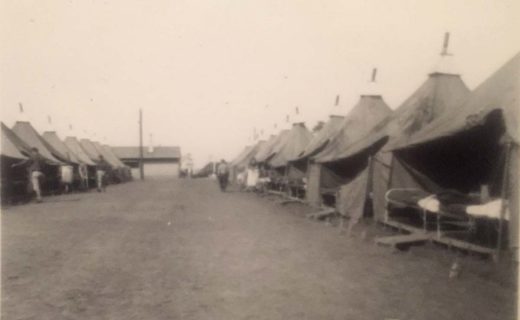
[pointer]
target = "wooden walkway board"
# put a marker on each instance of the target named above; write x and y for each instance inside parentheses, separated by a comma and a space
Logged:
(277, 193)
(403, 239)
(403, 226)
(431, 235)
(465, 245)
(291, 200)
(321, 214)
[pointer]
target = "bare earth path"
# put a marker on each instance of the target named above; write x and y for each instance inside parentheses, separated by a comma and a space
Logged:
(180, 249)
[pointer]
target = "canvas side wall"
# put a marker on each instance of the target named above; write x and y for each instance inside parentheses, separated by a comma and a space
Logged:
(389, 172)
(313, 184)
(381, 163)
(352, 197)
(514, 198)
(295, 172)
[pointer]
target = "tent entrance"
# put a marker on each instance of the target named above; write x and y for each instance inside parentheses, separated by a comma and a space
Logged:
(461, 170)
(463, 162)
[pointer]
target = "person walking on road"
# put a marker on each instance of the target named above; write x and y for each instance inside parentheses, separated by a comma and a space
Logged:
(222, 175)
(36, 163)
(102, 169)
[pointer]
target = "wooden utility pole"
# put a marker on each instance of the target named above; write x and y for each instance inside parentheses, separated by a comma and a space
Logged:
(141, 164)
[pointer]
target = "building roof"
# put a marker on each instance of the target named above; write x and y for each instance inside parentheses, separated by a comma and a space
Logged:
(157, 153)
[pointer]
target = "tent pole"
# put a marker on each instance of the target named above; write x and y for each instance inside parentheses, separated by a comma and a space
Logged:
(369, 180)
(286, 174)
(389, 184)
(307, 175)
(504, 195)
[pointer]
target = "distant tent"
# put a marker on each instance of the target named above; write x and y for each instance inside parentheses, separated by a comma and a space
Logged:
(242, 161)
(113, 156)
(124, 170)
(277, 145)
(473, 145)
(264, 148)
(108, 158)
(269, 148)
(28, 134)
(90, 149)
(74, 145)
(236, 165)
(243, 154)
(322, 137)
(369, 110)
(440, 93)
(292, 145)
(251, 154)
(299, 166)
(12, 145)
(52, 139)
(205, 171)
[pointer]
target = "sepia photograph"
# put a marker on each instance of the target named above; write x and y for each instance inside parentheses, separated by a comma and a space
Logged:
(259, 159)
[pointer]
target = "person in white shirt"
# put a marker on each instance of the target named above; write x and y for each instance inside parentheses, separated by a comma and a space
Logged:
(252, 176)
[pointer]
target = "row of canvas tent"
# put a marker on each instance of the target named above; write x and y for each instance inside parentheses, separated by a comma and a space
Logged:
(443, 143)
(58, 154)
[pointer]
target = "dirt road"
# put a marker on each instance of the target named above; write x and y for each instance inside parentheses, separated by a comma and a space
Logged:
(180, 249)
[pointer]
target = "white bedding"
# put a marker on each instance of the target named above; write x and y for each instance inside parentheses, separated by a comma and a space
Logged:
(489, 210)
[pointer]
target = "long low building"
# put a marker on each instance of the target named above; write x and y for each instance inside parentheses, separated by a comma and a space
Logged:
(158, 161)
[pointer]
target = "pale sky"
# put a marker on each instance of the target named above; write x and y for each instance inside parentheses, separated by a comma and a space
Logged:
(204, 71)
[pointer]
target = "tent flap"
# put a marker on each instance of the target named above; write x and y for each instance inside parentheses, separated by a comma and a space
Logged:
(352, 196)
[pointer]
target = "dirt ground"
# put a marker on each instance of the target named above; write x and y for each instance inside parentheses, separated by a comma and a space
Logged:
(180, 249)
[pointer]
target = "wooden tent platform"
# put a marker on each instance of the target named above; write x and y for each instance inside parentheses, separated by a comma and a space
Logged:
(277, 193)
(405, 239)
(441, 237)
(286, 198)
(322, 214)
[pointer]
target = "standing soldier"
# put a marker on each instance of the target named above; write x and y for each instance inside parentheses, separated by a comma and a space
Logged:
(223, 175)
(83, 174)
(36, 163)
(102, 169)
